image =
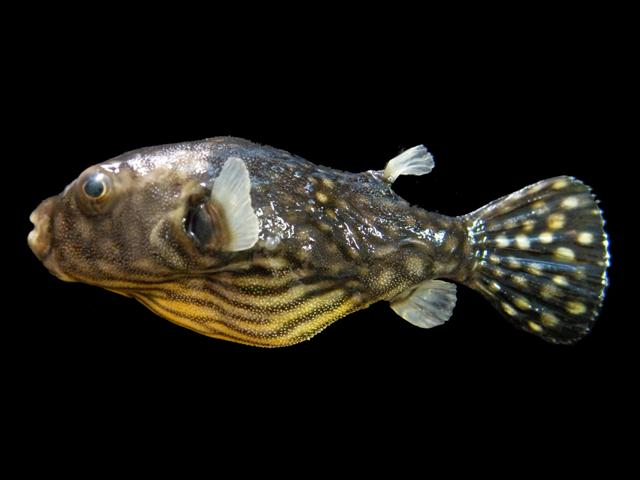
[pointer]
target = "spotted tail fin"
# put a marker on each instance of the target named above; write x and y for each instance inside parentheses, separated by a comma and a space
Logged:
(541, 256)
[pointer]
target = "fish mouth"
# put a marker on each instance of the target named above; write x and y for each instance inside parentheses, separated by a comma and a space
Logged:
(39, 239)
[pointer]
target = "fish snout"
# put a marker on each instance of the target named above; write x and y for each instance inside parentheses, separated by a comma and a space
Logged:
(39, 238)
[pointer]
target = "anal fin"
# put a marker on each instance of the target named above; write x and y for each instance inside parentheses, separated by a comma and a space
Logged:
(430, 304)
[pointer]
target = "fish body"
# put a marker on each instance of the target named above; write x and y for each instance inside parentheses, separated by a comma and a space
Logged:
(252, 244)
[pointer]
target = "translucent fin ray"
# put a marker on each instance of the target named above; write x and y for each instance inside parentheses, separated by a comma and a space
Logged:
(231, 193)
(542, 257)
(415, 161)
(429, 305)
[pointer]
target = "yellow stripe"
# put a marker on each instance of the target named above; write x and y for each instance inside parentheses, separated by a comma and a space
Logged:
(209, 307)
(234, 324)
(218, 331)
(269, 303)
(251, 280)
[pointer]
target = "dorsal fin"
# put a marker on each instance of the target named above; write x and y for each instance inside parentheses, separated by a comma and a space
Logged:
(415, 161)
(231, 194)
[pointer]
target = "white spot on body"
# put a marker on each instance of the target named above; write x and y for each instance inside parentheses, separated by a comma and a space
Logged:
(576, 308)
(495, 286)
(535, 327)
(561, 280)
(585, 238)
(545, 237)
(565, 254)
(556, 221)
(321, 197)
(570, 203)
(523, 242)
(502, 241)
(509, 310)
(522, 303)
(560, 184)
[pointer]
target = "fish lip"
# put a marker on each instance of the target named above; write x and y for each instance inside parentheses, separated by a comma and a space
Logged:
(39, 239)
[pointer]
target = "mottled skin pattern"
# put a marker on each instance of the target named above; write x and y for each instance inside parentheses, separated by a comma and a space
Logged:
(330, 242)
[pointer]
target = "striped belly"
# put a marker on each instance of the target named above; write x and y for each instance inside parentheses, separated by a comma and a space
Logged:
(260, 307)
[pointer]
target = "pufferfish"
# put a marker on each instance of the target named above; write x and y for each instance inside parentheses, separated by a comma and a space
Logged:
(252, 244)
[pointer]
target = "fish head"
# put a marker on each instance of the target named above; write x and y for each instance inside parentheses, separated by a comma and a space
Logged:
(129, 221)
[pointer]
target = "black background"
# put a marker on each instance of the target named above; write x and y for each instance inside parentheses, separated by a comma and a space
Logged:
(499, 109)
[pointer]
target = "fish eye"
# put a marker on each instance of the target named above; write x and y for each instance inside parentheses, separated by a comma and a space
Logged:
(96, 186)
(199, 224)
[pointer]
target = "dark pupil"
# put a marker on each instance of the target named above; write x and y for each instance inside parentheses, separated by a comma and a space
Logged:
(198, 224)
(94, 188)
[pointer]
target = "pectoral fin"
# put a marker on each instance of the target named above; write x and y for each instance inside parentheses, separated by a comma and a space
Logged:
(231, 195)
(430, 304)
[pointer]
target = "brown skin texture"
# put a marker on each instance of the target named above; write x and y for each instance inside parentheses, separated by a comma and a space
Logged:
(330, 242)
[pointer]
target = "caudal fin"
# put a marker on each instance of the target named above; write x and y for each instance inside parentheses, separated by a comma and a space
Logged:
(541, 258)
